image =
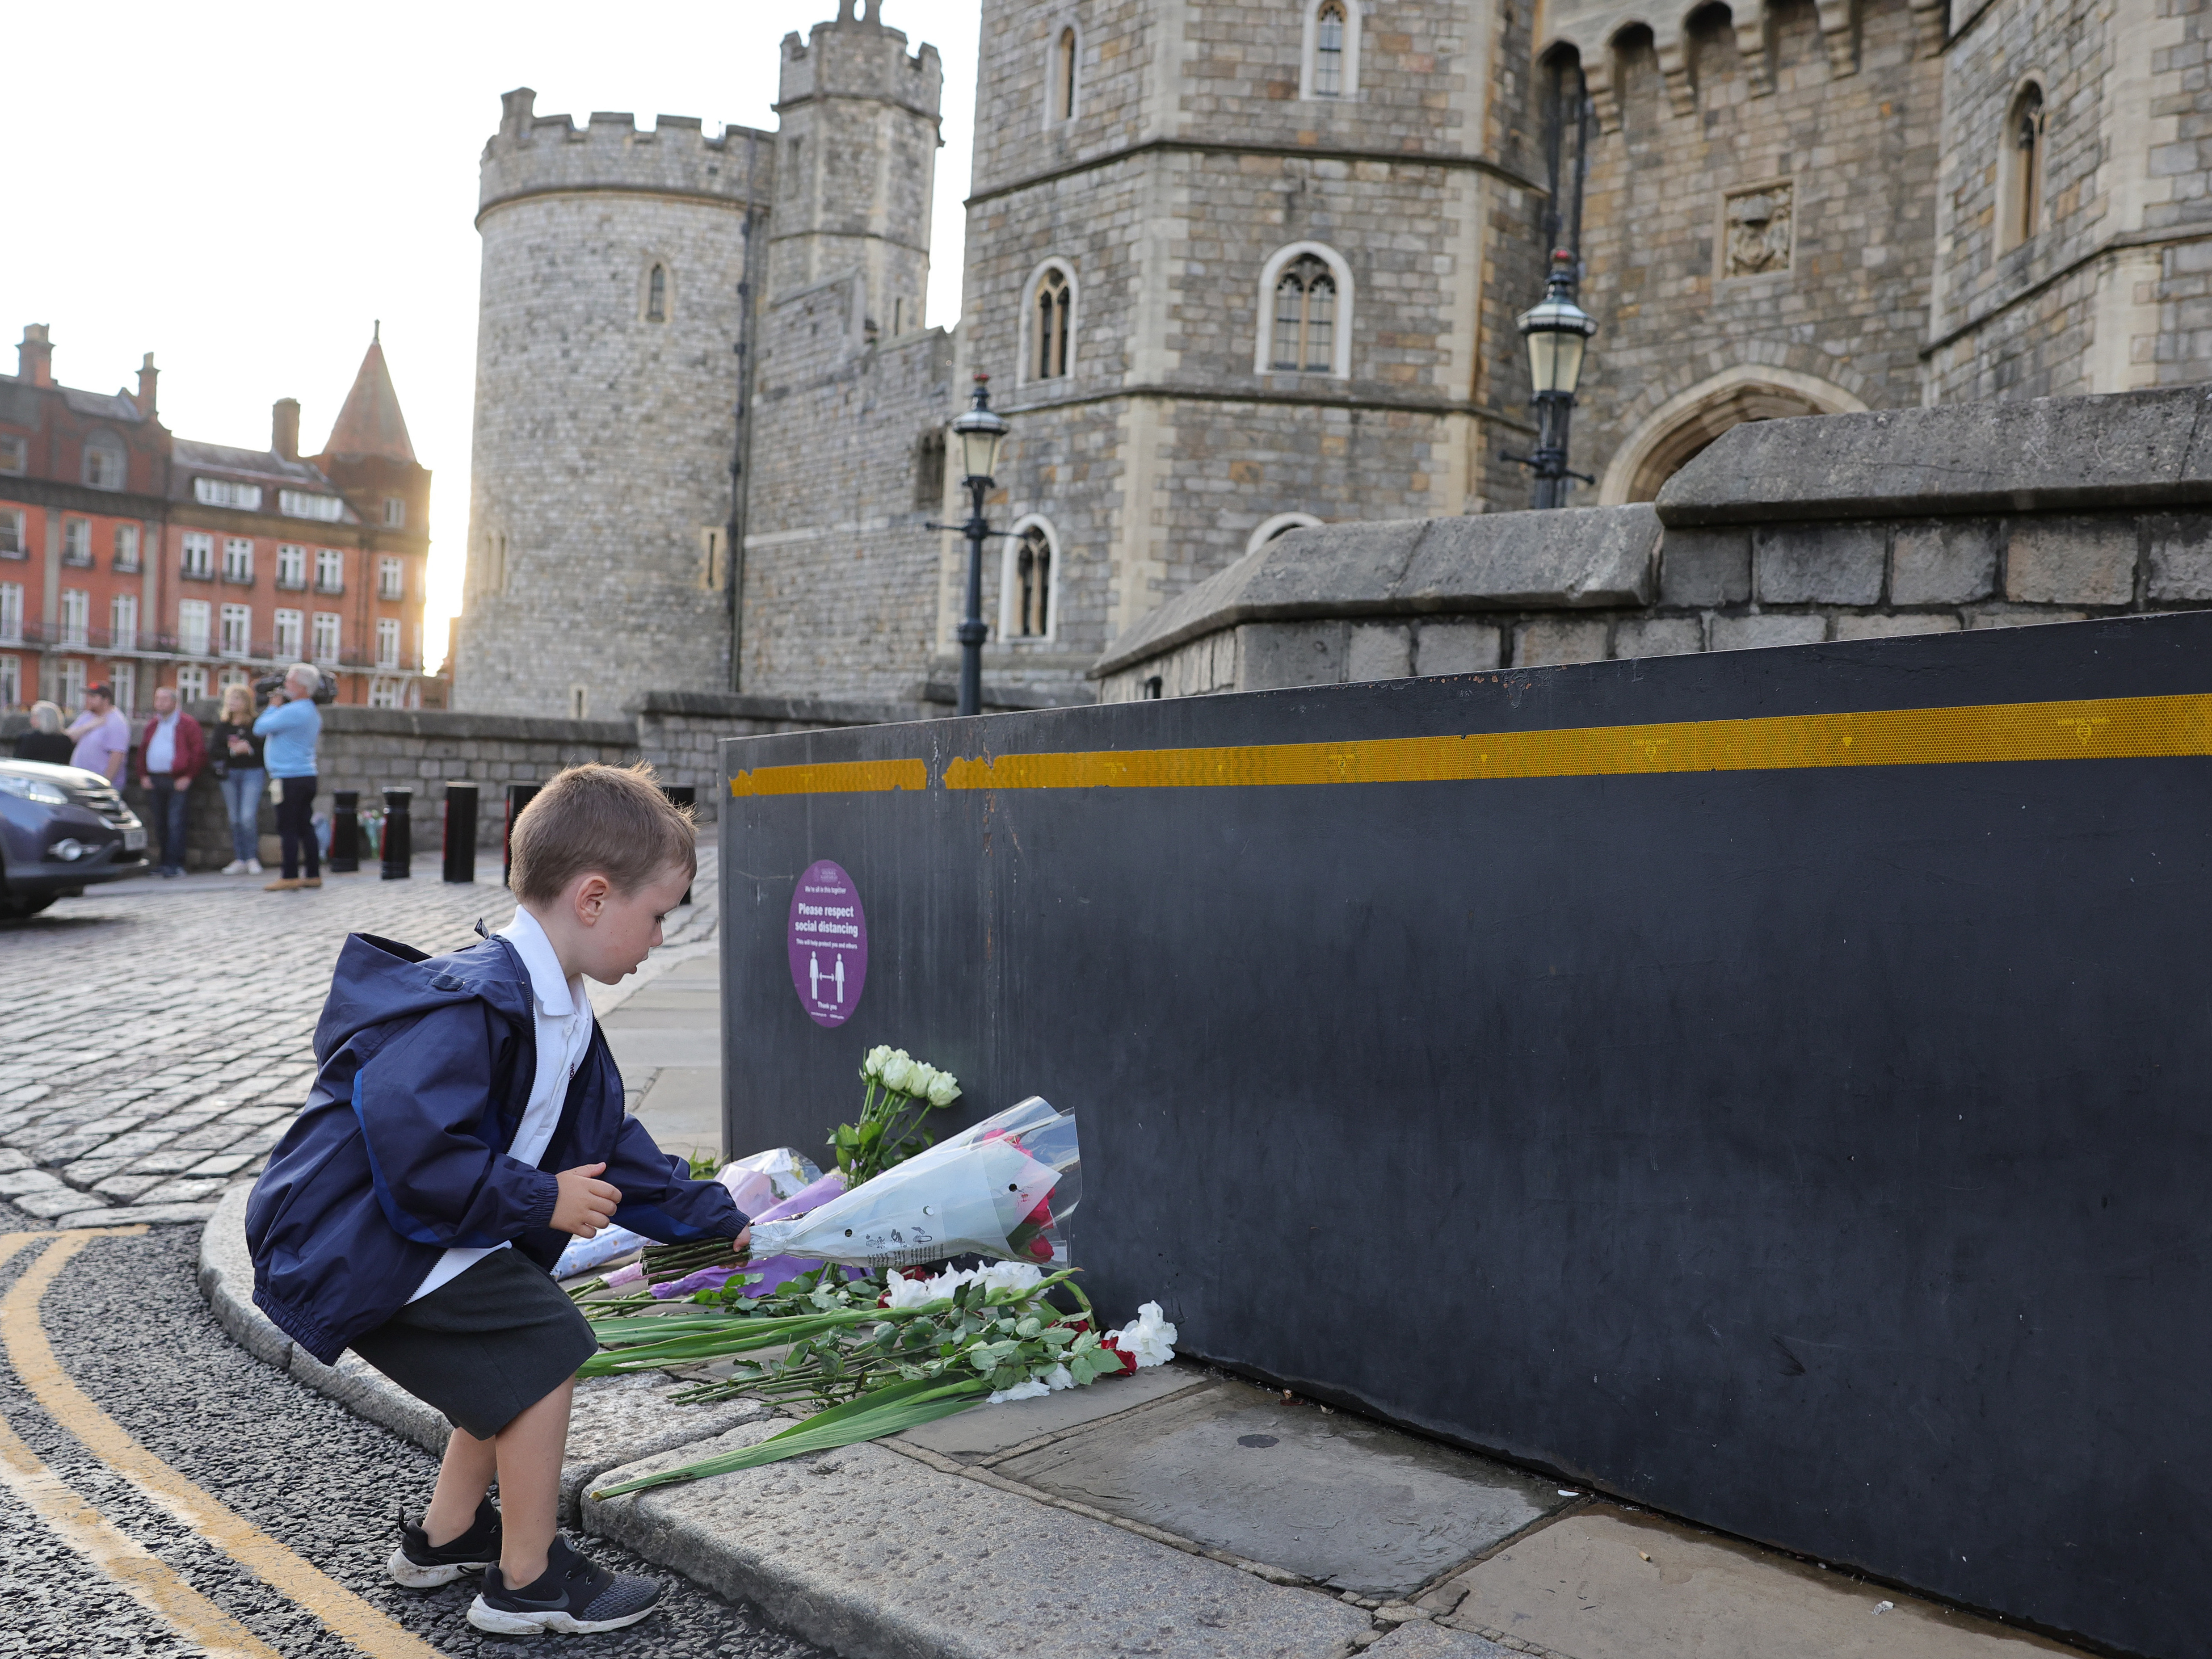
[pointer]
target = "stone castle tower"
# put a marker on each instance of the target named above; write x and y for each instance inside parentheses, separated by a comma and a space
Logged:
(1240, 267)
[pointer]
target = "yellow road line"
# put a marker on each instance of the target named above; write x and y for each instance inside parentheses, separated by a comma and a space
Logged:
(831, 778)
(142, 1576)
(2109, 728)
(340, 1611)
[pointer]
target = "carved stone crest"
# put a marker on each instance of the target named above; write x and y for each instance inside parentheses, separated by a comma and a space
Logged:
(1757, 229)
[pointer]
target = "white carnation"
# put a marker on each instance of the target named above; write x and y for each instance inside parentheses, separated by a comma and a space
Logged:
(911, 1292)
(1150, 1341)
(1059, 1378)
(1032, 1389)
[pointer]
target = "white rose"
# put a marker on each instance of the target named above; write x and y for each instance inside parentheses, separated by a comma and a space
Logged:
(871, 1068)
(944, 1089)
(919, 1079)
(895, 1072)
(911, 1292)
(1150, 1341)
(1059, 1378)
(1029, 1390)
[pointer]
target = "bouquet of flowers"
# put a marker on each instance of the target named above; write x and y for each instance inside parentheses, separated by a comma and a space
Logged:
(901, 1093)
(1003, 1189)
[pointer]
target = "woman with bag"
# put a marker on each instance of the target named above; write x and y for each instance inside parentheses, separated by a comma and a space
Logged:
(236, 753)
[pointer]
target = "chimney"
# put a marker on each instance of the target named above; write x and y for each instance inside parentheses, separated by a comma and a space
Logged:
(285, 424)
(148, 374)
(34, 357)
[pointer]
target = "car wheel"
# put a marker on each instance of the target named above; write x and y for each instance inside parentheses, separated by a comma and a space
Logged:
(20, 909)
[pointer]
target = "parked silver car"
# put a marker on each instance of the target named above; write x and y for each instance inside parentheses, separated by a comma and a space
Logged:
(61, 830)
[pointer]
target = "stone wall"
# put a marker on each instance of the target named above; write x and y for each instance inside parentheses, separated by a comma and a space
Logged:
(1784, 533)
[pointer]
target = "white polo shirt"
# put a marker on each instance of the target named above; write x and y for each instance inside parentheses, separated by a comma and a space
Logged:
(563, 1016)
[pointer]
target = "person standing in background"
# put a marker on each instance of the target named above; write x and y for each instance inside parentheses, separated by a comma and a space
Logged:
(236, 753)
(103, 736)
(45, 742)
(289, 726)
(174, 750)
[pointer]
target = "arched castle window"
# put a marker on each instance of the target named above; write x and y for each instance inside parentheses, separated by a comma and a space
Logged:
(2020, 170)
(1067, 49)
(1267, 529)
(1028, 581)
(1305, 313)
(1048, 326)
(1331, 64)
(104, 461)
(656, 295)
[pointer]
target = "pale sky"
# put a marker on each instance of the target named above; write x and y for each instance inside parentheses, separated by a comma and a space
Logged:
(242, 189)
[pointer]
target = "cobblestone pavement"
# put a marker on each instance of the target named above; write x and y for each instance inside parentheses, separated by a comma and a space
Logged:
(126, 1326)
(155, 1035)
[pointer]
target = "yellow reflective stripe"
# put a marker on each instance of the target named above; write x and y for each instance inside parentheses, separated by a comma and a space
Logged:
(831, 778)
(2110, 728)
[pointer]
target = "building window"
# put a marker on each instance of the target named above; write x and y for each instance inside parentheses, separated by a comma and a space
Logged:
(2020, 170)
(11, 613)
(1031, 587)
(580, 702)
(656, 294)
(386, 693)
(230, 677)
(76, 617)
(237, 631)
(198, 560)
(123, 623)
(392, 579)
(387, 641)
(492, 573)
(11, 681)
(126, 547)
(11, 533)
(395, 512)
(792, 153)
(122, 683)
(76, 541)
(290, 630)
(330, 570)
(238, 559)
(299, 504)
(1331, 67)
(1305, 318)
(291, 566)
(221, 492)
(1056, 301)
(104, 461)
(1065, 53)
(192, 683)
(194, 616)
(73, 684)
(327, 636)
(14, 455)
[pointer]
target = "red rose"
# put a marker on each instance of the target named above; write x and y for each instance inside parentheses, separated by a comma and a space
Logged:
(1129, 1360)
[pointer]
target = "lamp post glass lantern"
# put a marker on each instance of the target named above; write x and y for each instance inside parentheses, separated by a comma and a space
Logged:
(980, 432)
(1557, 331)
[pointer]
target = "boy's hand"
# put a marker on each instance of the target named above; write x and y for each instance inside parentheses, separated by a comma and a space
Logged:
(585, 1204)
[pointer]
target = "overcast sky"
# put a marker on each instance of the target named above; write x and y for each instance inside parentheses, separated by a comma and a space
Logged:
(242, 189)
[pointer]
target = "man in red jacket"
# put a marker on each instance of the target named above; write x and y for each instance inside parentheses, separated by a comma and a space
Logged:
(170, 757)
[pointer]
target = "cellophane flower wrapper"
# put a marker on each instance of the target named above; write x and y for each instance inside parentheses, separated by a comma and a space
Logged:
(760, 1183)
(1005, 1187)
(582, 1255)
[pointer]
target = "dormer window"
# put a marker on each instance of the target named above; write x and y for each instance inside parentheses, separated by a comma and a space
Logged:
(104, 461)
(395, 512)
(656, 295)
(221, 492)
(13, 455)
(299, 504)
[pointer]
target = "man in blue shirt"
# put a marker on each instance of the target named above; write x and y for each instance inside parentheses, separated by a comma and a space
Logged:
(291, 724)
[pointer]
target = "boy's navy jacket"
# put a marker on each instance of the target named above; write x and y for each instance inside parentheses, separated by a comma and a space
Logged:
(426, 1067)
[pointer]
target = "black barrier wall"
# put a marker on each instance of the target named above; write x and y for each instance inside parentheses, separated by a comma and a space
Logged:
(1789, 1113)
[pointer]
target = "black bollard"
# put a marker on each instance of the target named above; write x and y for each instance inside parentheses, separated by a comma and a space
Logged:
(399, 832)
(519, 795)
(460, 831)
(345, 831)
(681, 794)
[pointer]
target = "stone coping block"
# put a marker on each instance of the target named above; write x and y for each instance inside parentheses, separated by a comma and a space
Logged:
(616, 1419)
(2123, 451)
(743, 706)
(352, 718)
(871, 1553)
(1568, 558)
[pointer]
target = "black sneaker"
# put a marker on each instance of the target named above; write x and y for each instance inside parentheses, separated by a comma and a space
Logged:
(420, 1566)
(573, 1597)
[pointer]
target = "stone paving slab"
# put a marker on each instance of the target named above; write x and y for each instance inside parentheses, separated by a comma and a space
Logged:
(1605, 1582)
(1337, 1499)
(876, 1554)
(984, 1437)
(1421, 1640)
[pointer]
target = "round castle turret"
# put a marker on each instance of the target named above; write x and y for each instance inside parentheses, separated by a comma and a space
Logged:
(607, 380)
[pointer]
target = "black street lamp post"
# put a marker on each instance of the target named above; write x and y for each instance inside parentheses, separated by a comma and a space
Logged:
(1557, 330)
(980, 432)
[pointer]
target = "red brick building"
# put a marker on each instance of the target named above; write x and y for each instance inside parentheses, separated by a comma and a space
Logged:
(142, 559)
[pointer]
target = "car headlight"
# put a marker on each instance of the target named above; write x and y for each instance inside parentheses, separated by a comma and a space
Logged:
(33, 789)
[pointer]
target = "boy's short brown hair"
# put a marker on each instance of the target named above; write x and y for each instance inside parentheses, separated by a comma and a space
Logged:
(609, 820)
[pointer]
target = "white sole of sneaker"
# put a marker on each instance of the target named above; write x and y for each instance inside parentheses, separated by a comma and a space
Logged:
(484, 1616)
(417, 1577)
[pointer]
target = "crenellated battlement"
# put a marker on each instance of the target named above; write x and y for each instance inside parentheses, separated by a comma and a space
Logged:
(534, 154)
(856, 55)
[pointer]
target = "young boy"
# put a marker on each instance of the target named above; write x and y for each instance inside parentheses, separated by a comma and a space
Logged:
(466, 1120)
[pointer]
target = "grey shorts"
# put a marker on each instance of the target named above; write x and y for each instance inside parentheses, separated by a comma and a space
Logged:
(485, 1345)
